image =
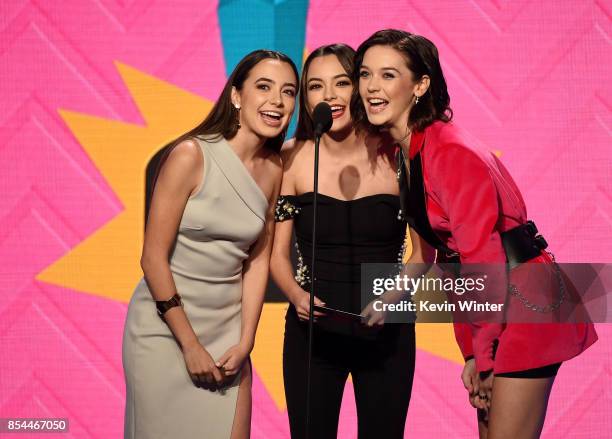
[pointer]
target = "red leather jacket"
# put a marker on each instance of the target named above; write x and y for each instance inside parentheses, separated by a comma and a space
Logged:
(470, 199)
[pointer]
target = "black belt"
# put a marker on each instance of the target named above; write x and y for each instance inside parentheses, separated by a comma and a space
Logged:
(521, 244)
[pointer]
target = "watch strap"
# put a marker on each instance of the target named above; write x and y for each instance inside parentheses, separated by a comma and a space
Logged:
(164, 305)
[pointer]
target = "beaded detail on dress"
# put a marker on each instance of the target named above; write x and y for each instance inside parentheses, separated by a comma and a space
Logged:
(400, 255)
(286, 210)
(301, 271)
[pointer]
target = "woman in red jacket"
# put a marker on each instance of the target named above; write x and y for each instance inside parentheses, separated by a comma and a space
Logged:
(468, 208)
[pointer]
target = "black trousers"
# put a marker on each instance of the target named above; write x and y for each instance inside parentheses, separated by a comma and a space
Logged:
(382, 370)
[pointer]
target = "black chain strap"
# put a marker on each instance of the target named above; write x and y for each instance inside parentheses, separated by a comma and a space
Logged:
(514, 291)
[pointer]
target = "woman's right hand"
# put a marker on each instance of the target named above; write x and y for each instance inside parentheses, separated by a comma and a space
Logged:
(201, 366)
(302, 306)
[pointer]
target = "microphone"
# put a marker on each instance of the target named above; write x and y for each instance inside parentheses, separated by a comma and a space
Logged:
(322, 118)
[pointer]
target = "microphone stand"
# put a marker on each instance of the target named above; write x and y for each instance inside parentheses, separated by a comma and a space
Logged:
(323, 120)
(318, 135)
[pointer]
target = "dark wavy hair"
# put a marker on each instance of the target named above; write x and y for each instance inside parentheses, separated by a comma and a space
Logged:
(222, 118)
(422, 59)
(346, 55)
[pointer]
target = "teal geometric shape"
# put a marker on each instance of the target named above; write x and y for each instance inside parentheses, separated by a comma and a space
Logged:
(247, 25)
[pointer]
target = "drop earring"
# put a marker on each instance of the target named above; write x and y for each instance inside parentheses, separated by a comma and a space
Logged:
(416, 101)
(237, 107)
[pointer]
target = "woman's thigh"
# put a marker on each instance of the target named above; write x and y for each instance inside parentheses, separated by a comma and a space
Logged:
(518, 407)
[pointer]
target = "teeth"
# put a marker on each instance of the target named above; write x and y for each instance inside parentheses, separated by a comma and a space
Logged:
(337, 108)
(272, 114)
(376, 101)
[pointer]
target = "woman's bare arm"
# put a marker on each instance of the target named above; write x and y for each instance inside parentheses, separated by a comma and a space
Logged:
(180, 176)
(257, 267)
(280, 266)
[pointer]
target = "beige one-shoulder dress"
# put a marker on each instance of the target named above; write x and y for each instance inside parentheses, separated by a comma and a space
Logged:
(220, 223)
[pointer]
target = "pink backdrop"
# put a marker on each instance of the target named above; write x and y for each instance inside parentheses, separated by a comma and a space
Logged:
(531, 79)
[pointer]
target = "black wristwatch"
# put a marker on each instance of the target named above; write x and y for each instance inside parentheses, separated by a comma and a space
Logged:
(165, 305)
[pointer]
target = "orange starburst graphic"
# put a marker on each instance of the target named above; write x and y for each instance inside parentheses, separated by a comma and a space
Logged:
(106, 263)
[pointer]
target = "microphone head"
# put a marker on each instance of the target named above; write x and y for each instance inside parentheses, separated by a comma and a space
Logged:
(322, 118)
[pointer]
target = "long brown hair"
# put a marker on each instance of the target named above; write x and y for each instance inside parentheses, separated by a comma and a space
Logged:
(223, 117)
(221, 120)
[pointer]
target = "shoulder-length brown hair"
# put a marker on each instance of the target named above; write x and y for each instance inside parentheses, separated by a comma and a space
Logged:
(422, 59)
(345, 54)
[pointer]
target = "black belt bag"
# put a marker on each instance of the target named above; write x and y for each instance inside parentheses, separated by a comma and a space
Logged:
(522, 243)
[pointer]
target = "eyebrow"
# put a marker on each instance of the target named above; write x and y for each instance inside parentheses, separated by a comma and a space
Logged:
(264, 79)
(384, 68)
(340, 75)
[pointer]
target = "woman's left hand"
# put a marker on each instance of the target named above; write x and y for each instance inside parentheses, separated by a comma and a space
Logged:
(231, 361)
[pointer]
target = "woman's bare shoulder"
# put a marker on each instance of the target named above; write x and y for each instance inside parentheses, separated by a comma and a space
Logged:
(185, 156)
(294, 149)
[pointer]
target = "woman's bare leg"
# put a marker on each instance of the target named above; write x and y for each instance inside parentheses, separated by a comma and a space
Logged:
(241, 428)
(518, 407)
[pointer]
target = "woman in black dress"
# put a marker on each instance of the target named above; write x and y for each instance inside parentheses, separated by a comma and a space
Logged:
(357, 223)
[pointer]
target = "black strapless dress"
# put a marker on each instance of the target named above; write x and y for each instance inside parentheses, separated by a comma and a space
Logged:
(349, 233)
(381, 361)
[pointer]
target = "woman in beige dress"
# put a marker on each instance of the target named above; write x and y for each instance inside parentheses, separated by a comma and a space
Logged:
(192, 319)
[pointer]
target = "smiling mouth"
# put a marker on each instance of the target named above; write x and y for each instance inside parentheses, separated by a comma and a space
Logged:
(376, 105)
(271, 118)
(338, 111)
